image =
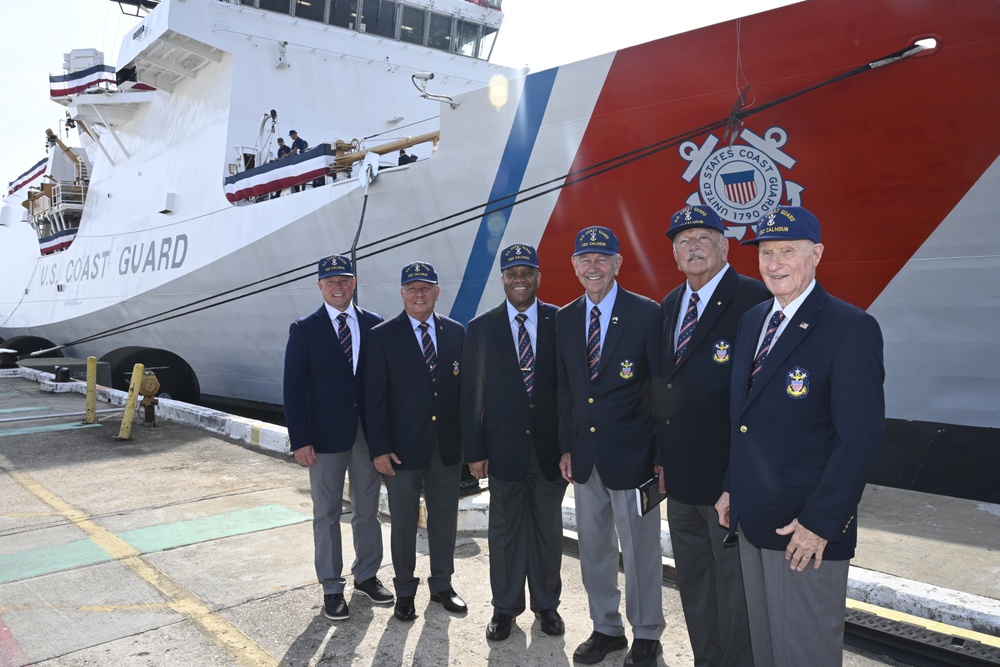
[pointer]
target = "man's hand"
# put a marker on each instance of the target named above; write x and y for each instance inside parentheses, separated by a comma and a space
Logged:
(480, 469)
(722, 507)
(658, 471)
(566, 467)
(804, 545)
(305, 456)
(383, 464)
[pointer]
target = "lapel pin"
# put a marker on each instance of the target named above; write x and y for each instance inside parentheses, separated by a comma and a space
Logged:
(614, 320)
(803, 325)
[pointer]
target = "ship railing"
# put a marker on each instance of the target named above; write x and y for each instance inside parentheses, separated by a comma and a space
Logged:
(349, 153)
(321, 164)
(58, 205)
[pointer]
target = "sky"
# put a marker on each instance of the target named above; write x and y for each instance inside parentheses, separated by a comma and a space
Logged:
(538, 33)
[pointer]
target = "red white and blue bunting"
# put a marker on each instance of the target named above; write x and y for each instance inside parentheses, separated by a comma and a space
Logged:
(279, 174)
(65, 85)
(27, 177)
(58, 241)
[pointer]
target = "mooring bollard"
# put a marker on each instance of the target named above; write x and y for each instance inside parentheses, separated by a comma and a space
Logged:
(91, 391)
(125, 433)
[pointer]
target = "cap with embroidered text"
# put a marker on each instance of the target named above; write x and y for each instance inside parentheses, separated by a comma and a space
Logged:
(518, 254)
(786, 223)
(335, 265)
(418, 271)
(596, 239)
(694, 216)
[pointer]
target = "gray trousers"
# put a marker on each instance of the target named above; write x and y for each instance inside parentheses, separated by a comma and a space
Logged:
(440, 485)
(326, 480)
(525, 539)
(711, 587)
(600, 513)
(796, 618)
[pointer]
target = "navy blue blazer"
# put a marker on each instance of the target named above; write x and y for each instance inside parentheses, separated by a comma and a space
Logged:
(692, 398)
(499, 422)
(608, 423)
(805, 440)
(323, 397)
(407, 413)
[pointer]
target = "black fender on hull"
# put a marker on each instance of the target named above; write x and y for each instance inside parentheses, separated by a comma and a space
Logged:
(23, 346)
(176, 377)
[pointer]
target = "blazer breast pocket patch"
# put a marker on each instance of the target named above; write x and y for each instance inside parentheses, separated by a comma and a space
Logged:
(626, 371)
(720, 352)
(797, 383)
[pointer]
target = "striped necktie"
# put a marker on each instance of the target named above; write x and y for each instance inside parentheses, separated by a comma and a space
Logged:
(594, 342)
(346, 343)
(687, 327)
(525, 355)
(765, 345)
(430, 357)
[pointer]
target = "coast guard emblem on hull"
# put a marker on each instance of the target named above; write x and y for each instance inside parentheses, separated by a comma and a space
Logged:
(721, 354)
(741, 182)
(797, 383)
(626, 372)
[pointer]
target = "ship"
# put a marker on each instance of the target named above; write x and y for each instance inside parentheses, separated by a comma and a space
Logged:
(175, 237)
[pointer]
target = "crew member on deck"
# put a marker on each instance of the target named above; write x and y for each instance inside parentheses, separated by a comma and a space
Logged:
(299, 145)
(283, 149)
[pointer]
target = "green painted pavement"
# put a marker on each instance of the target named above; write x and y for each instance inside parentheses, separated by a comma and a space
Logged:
(59, 558)
(203, 529)
(46, 560)
(30, 409)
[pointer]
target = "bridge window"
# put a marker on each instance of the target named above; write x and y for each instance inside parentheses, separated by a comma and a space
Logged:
(379, 17)
(411, 27)
(280, 6)
(342, 13)
(468, 34)
(440, 33)
(310, 9)
(486, 43)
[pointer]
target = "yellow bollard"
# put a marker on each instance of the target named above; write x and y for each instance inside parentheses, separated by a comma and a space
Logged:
(91, 391)
(125, 433)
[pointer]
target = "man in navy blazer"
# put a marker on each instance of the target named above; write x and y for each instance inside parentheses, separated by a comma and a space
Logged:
(698, 329)
(807, 411)
(324, 364)
(510, 433)
(412, 385)
(607, 349)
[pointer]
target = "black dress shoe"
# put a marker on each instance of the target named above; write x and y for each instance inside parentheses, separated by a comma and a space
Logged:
(450, 601)
(374, 589)
(334, 607)
(643, 653)
(404, 609)
(551, 622)
(597, 646)
(499, 627)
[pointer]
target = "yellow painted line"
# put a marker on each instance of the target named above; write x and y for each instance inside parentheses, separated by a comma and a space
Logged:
(243, 650)
(255, 434)
(934, 626)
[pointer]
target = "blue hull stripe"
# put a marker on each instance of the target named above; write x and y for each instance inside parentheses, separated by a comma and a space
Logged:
(509, 178)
